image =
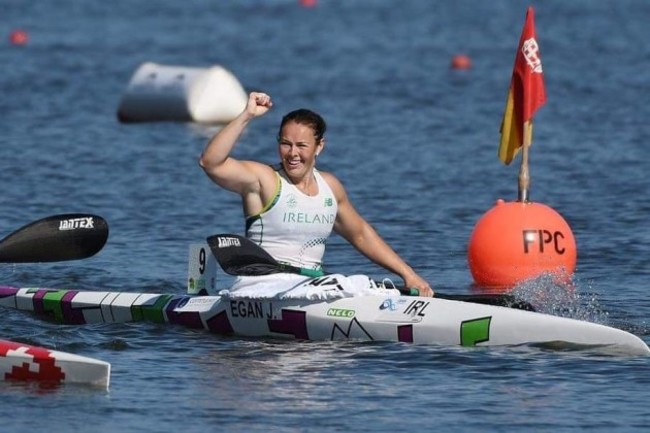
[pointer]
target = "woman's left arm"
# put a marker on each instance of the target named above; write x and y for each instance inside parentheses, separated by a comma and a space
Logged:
(356, 230)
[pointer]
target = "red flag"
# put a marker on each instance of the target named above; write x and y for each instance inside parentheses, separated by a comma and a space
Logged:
(526, 94)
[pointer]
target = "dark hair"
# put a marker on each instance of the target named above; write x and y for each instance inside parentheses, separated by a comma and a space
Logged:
(307, 117)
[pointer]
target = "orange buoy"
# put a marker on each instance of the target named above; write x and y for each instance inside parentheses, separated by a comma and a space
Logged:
(308, 3)
(516, 241)
(461, 61)
(18, 37)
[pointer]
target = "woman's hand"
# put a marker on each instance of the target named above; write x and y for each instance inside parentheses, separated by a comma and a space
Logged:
(416, 282)
(258, 104)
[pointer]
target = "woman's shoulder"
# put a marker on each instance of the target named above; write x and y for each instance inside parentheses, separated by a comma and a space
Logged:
(257, 165)
(327, 176)
(332, 181)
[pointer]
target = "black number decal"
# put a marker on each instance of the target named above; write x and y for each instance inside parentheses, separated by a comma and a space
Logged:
(202, 261)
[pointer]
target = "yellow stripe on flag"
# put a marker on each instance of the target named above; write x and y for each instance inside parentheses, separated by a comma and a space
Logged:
(510, 136)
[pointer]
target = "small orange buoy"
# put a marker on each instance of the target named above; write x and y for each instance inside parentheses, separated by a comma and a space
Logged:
(308, 3)
(461, 61)
(18, 37)
(516, 241)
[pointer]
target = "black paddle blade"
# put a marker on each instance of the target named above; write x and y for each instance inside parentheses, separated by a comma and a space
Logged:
(55, 238)
(238, 255)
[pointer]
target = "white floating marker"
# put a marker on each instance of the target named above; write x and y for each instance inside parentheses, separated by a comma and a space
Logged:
(185, 94)
(23, 362)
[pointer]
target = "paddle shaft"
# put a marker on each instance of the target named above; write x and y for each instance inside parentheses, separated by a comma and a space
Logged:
(490, 299)
(238, 255)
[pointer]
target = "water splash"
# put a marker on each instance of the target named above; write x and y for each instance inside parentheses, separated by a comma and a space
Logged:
(572, 298)
(562, 297)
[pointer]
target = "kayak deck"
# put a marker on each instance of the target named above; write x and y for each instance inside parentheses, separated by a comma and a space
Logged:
(372, 318)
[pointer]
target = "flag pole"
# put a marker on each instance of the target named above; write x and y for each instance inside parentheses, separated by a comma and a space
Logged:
(524, 175)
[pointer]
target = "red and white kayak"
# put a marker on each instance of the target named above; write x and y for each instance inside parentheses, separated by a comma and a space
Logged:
(23, 362)
(409, 319)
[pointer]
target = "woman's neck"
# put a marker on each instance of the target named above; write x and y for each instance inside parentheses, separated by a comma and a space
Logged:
(306, 184)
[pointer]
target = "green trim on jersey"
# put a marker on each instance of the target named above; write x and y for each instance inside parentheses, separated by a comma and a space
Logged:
(276, 196)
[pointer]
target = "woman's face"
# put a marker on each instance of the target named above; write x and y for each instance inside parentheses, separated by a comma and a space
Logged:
(298, 149)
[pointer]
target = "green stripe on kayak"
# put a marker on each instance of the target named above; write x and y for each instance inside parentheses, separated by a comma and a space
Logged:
(152, 313)
(475, 331)
(52, 302)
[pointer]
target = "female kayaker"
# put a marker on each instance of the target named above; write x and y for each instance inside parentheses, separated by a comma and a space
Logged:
(292, 208)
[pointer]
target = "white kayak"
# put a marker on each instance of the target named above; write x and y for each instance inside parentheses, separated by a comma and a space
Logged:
(23, 362)
(397, 318)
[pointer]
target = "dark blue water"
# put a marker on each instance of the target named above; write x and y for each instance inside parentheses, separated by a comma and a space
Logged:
(414, 142)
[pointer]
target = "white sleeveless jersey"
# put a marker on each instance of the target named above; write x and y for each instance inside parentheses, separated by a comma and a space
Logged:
(294, 227)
